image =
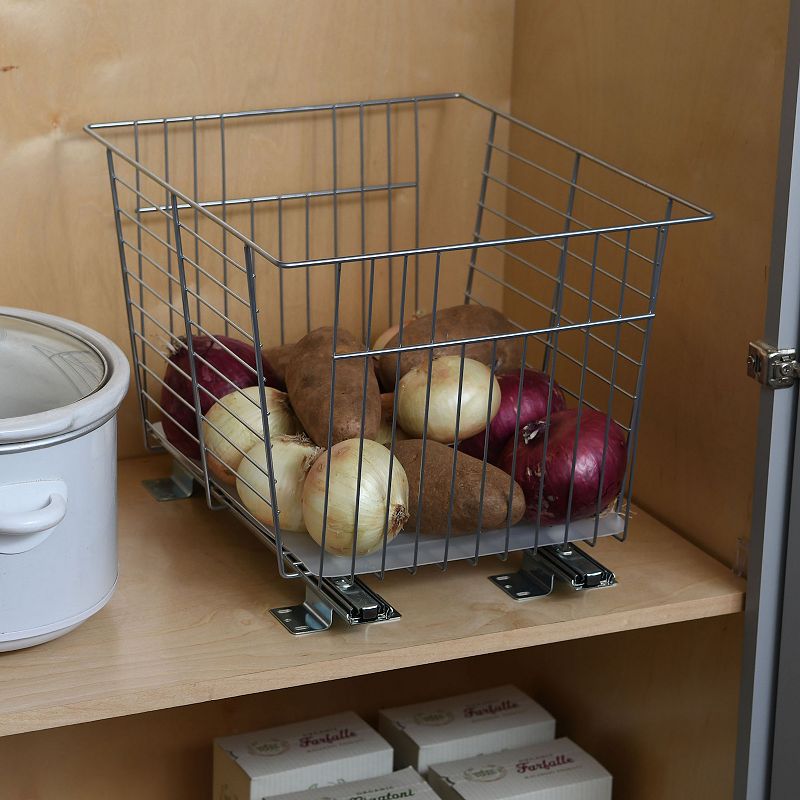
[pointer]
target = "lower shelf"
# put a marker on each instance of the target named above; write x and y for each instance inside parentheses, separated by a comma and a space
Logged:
(657, 708)
(190, 621)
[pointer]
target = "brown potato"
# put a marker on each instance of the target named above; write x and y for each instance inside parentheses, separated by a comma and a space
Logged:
(385, 433)
(457, 322)
(467, 490)
(308, 382)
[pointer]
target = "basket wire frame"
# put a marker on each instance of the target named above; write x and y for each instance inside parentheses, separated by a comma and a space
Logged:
(195, 262)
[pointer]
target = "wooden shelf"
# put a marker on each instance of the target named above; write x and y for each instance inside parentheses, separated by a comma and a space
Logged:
(190, 622)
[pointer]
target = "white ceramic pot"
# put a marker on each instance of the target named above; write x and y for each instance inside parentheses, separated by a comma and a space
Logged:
(60, 387)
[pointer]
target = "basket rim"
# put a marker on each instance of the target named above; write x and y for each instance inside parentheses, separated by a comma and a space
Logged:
(700, 214)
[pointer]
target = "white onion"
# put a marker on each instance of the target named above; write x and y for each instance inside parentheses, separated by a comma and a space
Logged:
(373, 502)
(233, 425)
(292, 456)
(382, 339)
(444, 399)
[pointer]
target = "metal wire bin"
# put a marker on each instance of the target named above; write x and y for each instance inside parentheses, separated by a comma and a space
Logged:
(267, 225)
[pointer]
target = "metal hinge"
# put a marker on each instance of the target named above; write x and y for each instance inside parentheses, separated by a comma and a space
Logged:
(778, 369)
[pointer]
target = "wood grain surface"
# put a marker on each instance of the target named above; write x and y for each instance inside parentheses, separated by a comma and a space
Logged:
(657, 707)
(190, 621)
(687, 95)
(77, 62)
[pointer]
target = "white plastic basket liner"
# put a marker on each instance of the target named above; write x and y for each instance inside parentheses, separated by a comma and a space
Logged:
(431, 549)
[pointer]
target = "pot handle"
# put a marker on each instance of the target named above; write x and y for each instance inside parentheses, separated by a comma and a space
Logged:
(29, 512)
(21, 523)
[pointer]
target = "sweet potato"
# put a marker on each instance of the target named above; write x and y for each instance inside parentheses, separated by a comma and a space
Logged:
(467, 490)
(457, 322)
(308, 381)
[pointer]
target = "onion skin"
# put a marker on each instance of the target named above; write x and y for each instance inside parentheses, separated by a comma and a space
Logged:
(380, 342)
(558, 468)
(382, 339)
(444, 399)
(533, 407)
(292, 457)
(234, 424)
(211, 350)
(342, 492)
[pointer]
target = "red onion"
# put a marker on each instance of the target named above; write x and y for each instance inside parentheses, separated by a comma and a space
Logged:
(211, 350)
(533, 407)
(560, 447)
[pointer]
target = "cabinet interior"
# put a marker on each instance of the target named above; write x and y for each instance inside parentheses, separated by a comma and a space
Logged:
(657, 707)
(686, 95)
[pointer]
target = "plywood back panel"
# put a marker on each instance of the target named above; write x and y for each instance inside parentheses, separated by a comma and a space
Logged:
(311, 184)
(70, 63)
(687, 95)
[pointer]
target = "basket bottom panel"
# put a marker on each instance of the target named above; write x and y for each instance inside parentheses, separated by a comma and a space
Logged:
(435, 549)
(404, 551)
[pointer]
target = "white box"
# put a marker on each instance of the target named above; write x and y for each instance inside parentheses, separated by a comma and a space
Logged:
(407, 784)
(299, 756)
(557, 770)
(463, 726)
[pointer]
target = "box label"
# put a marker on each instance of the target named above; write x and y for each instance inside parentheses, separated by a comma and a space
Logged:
(530, 772)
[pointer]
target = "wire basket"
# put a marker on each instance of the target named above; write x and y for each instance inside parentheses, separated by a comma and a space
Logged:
(267, 225)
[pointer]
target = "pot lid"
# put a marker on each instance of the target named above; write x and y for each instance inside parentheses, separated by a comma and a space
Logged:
(43, 368)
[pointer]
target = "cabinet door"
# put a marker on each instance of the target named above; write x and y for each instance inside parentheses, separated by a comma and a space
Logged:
(786, 736)
(769, 732)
